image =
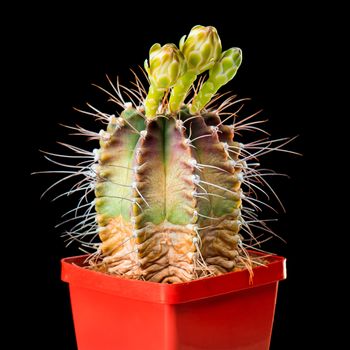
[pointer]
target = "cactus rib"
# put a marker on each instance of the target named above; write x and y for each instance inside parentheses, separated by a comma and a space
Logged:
(163, 224)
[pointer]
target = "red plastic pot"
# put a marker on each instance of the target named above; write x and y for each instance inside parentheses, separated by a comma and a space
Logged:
(216, 313)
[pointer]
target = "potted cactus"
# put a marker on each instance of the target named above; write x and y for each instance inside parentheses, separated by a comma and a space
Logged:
(170, 260)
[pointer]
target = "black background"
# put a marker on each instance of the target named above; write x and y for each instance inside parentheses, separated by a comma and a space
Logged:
(60, 53)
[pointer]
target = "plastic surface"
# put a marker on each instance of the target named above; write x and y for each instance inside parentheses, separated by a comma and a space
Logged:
(217, 313)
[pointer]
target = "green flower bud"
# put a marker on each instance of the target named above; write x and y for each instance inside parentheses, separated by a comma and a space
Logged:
(220, 74)
(201, 49)
(167, 64)
(226, 67)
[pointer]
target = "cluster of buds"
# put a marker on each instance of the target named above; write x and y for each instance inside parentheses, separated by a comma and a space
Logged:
(170, 67)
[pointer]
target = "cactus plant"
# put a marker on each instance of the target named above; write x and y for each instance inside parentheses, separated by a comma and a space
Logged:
(167, 176)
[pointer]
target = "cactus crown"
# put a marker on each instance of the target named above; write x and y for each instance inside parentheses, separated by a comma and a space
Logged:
(167, 177)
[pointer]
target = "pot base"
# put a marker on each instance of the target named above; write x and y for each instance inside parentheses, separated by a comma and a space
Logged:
(216, 313)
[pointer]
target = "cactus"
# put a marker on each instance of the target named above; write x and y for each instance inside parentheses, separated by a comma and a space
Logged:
(168, 176)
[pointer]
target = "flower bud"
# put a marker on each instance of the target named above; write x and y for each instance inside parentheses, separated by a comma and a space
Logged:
(201, 49)
(220, 74)
(226, 67)
(167, 64)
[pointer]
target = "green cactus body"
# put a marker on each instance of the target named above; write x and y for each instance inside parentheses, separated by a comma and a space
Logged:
(148, 183)
(167, 184)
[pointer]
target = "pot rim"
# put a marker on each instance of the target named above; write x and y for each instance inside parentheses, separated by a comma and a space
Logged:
(74, 272)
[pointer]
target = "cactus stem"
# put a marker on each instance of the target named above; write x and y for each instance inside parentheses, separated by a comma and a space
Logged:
(153, 100)
(180, 91)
